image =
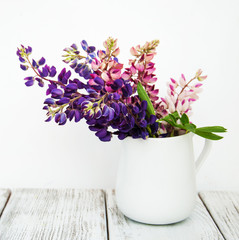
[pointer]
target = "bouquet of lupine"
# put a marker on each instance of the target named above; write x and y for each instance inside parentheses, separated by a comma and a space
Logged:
(115, 100)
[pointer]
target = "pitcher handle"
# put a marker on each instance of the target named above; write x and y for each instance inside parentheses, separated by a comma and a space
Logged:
(203, 155)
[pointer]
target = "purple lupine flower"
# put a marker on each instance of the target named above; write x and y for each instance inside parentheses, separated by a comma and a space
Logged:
(64, 76)
(52, 71)
(63, 100)
(34, 64)
(84, 45)
(56, 93)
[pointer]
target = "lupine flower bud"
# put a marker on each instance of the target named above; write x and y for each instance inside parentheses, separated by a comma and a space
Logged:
(202, 78)
(198, 73)
(21, 59)
(42, 61)
(48, 119)
(29, 83)
(23, 67)
(49, 101)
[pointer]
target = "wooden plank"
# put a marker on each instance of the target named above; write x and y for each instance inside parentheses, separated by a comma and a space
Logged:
(4, 195)
(198, 226)
(54, 214)
(224, 208)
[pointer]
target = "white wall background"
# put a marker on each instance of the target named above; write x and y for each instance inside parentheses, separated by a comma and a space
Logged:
(193, 33)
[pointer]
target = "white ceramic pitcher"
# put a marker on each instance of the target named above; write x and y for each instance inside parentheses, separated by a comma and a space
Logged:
(156, 178)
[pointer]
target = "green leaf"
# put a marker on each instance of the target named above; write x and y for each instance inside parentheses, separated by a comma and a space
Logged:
(184, 119)
(144, 97)
(169, 119)
(176, 115)
(190, 127)
(171, 116)
(208, 135)
(212, 129)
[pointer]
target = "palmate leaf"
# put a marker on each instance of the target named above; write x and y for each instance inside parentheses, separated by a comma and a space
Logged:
(144, 97)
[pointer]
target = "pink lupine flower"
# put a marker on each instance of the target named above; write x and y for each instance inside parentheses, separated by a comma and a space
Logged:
(179, 107)
(103, 65)
(115, 73)
(140, 67)
(133, 69)
(197, 85)
(105, 44)
(108, 89)
(171, 87)
(154, 92)
(111, 63)
(185, 106)
(182, 81)
(101, 54)
(197, 90)
(91, 82)
(149, 78)
(105, 76)
(171, 107)
(183, 77)
(95, 64)
(154, 98)
(150, 69)
(133, 51)
(149, 57)
(183, 95)
(116, 52)
(126, 75)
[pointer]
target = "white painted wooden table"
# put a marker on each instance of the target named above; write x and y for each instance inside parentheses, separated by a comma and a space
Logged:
(70, 214)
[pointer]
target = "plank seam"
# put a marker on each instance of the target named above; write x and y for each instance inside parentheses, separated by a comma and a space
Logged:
(106, 216)
(211, 216)
(10, 193)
